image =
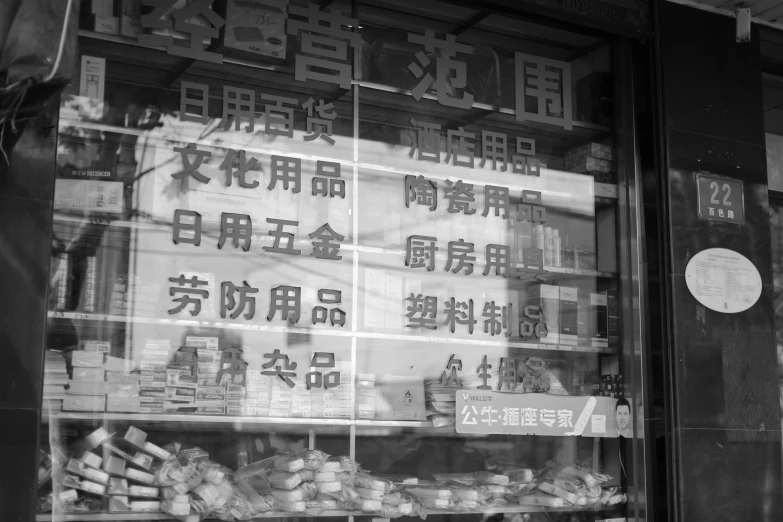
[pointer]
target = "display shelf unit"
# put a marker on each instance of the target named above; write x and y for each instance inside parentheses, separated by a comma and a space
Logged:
(330, 332)
(108, 517)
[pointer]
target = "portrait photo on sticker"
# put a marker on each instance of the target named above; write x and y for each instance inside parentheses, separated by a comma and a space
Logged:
(622, 417)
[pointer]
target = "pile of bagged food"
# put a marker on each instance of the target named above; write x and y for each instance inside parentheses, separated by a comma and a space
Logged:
(131, 474)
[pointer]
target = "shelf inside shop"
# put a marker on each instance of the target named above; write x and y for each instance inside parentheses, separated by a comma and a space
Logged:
(348, 247)
(603, 191)
(130, 516)
(193, 422)
(326, 331)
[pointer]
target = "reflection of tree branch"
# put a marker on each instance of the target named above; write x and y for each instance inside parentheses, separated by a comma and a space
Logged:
(144, 173)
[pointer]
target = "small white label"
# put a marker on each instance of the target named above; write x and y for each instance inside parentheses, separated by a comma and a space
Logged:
(598, 423)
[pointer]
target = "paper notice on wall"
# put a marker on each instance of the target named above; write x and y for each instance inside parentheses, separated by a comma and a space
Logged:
(723, 280)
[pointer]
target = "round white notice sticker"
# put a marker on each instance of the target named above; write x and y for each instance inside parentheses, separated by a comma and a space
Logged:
(723, 280)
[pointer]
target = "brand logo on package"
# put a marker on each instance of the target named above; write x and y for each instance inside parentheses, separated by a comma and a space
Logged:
(720, 198)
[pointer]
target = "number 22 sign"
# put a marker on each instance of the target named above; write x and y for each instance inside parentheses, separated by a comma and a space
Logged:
(720, 198)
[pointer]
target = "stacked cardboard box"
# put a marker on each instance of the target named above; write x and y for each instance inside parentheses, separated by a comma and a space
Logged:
(129, 292)
(152, 381)
(87, 388)
(208, 356)
(258, 392)
(591, 158)
(123, 394)
(55, 380)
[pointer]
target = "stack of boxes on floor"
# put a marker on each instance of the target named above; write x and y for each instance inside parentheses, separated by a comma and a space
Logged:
(592, 158)
(55, 379)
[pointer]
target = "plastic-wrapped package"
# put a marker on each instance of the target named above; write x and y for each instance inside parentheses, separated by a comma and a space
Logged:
(395, 499)
(319, 506)
(307, 475)
(313, 459)
(398, 479)
(304, 491)
(546, 487)
(325, 476)
(298, 506)
(591, 480)
(487, 477)
(283, 479)
(572, 485)
(329, 487)
(174, 472)
(248, 503)
(521, 476)
(435, 492)
(436, 503)
(466, 505)
(341, 463)
(540, 499)
(478, 477)
(289, 463)
(370, 506)
(496, 490)
(214, 473)
(369, 494)
(363, 480)
(346, 493)
(222, 513)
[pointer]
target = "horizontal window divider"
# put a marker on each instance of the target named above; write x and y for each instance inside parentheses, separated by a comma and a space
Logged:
(332, 332)
(130, 516)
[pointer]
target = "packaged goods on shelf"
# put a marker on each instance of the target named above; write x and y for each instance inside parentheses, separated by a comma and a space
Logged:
(256, 28)
(95, 346)
(86, 359)
(114, 466)
(88, 486)
(591, 150)
(84, 403)
(118, 486)
(79, 468)
(400, 398)
(123, 404)
(118, 365)
(547, 298)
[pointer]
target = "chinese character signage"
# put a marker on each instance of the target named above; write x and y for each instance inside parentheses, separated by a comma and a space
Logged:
(489, 412)
(720, 198)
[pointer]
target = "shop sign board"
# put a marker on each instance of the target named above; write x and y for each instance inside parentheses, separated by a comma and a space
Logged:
(489, 412)
(723, 280)
(720, 198)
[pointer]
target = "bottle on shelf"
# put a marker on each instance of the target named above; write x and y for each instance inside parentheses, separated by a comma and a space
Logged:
(538, 238)
(549, 247)
(558, 248)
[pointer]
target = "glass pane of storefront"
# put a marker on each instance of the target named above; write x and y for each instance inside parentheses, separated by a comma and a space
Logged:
(337, 259)
(772, 85)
